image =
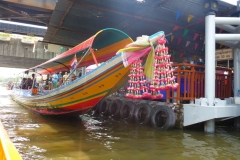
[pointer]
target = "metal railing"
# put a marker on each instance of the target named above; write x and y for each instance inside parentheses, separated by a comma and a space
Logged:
(191, 80)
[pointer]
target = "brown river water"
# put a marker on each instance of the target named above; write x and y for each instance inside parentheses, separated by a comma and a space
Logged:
(94, 138)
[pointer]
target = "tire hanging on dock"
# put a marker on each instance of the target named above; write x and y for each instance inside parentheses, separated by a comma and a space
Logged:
(104, 106)
(142, 113)
(162, 117)
(127, 110)
(114, 108)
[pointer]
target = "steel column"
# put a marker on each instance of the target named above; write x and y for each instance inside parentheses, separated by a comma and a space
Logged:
(236, 63)
(210, 66)
(210, 58)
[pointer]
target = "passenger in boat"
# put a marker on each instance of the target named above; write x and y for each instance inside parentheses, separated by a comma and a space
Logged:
(55, 80)
(41, 84)
(49, 82)
(80, 74)
(34, 80)
(65, 80)
(9, 85)
(31, 82)
(60, 79)
(73, 77)
(23, 83)
(59, 76)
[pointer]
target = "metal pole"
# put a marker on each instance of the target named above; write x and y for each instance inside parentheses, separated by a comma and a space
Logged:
(210, 66)
(210, 58)
(227, 27)
(227, 20)
(236, 64)
(227, 37)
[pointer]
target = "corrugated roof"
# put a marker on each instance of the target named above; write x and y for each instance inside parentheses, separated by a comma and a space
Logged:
(74, 21)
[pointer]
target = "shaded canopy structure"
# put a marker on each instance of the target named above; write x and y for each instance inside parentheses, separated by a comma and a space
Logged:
(105, 44)
(71, 22)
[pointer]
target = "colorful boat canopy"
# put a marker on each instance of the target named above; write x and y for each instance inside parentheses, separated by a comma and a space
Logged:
(105, 44)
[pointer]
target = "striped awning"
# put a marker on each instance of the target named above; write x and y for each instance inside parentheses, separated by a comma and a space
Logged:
(105, 44)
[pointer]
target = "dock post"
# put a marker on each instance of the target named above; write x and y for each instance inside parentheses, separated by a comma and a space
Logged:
(210, 66)
(237, 122)
(209, 126)
(236, 63)
(236, 84)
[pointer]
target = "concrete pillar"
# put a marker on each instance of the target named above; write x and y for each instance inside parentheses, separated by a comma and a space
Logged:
(209, 126)
(210, 66)
(236, 64)
(237, 122)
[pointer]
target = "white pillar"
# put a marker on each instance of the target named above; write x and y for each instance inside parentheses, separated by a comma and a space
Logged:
(209, 126)
(236, 86)
(236, 63)
(210, 66)
(210, 58)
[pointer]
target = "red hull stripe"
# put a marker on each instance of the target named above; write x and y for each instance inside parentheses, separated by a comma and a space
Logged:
(80, 108)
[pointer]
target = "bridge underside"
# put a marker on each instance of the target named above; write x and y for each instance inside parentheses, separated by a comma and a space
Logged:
(19, 62)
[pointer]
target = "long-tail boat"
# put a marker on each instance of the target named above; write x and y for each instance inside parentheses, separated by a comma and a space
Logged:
(81, 95)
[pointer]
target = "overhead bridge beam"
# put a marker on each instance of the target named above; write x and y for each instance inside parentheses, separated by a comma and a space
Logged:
(21, 13)
(43, 4)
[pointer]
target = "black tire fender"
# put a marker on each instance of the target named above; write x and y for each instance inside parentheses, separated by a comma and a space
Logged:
(114, 108)
(103, 109)
(127, 110)
(142, 113)
(162, 117)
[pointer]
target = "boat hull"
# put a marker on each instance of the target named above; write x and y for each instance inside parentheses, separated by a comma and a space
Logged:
(79, 96)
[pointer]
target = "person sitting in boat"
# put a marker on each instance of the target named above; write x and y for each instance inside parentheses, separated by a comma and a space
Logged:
(80, 75)
(31, 82)
(49, 82)
(73, 77)
(55, 80)
(23, 83)
(59, 76)
(60, 81)
(65, 80)
(34, 80)
(9, 85)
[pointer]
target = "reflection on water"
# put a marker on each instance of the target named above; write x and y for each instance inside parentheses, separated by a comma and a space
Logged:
(92, 138)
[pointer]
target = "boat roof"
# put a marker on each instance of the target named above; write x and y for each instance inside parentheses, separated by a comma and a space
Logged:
(105, 44)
